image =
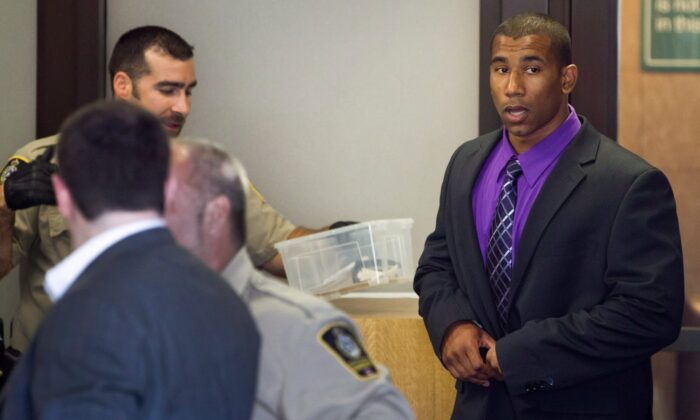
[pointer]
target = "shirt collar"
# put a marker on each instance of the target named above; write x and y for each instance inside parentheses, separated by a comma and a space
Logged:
(61, 277)
(237, 272)
(540, 156)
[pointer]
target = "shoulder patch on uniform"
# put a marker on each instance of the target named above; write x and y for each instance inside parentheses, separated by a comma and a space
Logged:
(13, 164)
(342, 344)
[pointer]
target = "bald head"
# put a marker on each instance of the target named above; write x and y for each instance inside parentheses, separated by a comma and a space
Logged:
(207, 212)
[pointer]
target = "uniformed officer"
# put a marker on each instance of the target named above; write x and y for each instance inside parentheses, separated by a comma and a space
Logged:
(150, 66)
(313, 364)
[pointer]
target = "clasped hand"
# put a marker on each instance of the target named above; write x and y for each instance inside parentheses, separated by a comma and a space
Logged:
(460, 354)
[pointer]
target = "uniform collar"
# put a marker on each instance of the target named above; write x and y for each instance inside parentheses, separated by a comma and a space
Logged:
(238, 271)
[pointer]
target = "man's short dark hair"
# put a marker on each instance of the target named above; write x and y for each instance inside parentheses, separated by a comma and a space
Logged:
(114, 156)
(129, 52)
(538, 24)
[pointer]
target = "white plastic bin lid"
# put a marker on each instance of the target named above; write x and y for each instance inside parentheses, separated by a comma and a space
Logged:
(406, 223)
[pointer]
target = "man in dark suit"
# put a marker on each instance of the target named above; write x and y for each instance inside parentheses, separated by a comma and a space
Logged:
(140, 329)
(555, 268)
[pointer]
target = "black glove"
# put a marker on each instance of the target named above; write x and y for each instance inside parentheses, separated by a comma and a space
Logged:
(30, 183)
(339, 224)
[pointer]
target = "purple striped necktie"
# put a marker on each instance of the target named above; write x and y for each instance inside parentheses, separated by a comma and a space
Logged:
(499, 253)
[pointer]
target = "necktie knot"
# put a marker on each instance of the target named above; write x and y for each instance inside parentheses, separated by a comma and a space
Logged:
(513, 169)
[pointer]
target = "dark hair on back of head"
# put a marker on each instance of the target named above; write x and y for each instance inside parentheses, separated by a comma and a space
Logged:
(114, 156)
(128, 54)
(538, 24)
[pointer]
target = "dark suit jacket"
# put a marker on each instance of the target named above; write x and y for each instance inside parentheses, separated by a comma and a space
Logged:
(597, 284)
(146, 332)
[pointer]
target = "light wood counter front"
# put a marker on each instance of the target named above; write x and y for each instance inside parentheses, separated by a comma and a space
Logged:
(395, 336)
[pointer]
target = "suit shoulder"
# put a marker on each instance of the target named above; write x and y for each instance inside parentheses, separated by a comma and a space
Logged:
(141, 266)
(470, 147)
(621, 158)
(477, 143)
(605, 156)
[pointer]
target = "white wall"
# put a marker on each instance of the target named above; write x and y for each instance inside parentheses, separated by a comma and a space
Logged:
(339, 109)
(18, 104)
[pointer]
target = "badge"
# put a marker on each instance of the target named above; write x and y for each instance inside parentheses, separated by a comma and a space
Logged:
(341, 342)
(12, 165)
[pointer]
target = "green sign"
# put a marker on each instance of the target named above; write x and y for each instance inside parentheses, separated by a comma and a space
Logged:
(671, 35)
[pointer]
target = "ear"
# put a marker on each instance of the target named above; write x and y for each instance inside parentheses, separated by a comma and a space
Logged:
(64, 200)
(217, 216)
(123, 85)
(569, 76)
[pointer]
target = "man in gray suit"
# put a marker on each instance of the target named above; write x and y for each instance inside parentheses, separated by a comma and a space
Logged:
(140, 329)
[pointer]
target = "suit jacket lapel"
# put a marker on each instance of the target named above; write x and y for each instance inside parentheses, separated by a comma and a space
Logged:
(562, 181)
(471, 264)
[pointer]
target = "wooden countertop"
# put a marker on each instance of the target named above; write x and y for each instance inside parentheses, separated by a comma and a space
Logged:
(379, 304)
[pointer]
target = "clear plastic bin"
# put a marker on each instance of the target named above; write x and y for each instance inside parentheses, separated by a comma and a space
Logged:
(350, 258)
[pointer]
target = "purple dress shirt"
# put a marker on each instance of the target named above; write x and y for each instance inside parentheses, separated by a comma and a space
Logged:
(537, 162)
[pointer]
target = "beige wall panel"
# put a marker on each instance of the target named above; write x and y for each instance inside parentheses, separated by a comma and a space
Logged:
(340, 110)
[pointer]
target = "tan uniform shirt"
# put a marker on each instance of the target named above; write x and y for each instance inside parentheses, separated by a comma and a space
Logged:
(41, 239)
(313, 364)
